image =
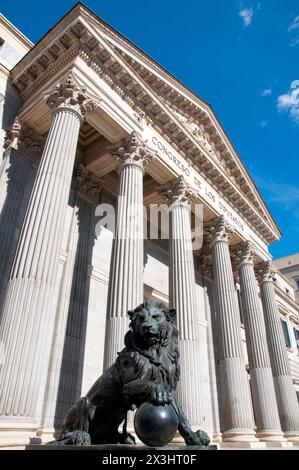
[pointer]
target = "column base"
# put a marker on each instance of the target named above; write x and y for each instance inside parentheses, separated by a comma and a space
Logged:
(243, 445)
(274, 440)
(241, 440)
(237, 435)
(10, 438)
(271, 436)
(217, 437)
(292, 436)
(47, 434)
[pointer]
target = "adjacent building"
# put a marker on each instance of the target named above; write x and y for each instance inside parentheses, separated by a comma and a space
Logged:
(289, 267)
(96, 137)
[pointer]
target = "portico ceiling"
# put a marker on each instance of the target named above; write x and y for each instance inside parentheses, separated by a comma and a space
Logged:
(180, 116)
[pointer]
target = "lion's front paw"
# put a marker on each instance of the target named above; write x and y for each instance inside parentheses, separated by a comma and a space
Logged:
(75, 438)
(199, 438)
(160, 396)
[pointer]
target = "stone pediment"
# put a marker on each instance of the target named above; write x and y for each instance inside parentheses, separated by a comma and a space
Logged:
(180, 116)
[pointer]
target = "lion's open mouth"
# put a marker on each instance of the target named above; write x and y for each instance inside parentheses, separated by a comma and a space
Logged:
(150, 336)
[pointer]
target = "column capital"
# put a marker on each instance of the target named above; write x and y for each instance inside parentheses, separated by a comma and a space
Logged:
(13, 134)
(21, 137)
(133, 151)
(265, 271)
(88, 184)
(178, 192)
(219, 230)
(69, 94)
(245, 253)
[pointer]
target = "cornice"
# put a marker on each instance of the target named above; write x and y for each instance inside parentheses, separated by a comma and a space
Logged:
(15, 32)
(71, 38)
(286, 297)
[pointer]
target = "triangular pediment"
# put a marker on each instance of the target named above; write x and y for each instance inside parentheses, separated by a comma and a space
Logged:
(185, 120)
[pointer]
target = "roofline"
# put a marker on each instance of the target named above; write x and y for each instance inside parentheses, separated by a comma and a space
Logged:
(195, 95)
(17, 32)
(171, 76)
(286, 256)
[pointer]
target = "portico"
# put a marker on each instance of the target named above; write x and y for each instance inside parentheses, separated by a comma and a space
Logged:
(114, 128)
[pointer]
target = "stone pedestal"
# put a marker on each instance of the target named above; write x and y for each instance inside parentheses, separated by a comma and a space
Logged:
(126, 275)
(284, 388)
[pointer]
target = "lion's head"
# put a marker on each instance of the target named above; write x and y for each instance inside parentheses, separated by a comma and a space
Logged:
(153, 333)
(149, 323)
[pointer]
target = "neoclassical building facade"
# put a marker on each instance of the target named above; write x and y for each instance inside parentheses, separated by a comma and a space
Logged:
(91, 122)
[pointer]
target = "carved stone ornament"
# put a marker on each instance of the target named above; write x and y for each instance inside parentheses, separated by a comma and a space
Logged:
(132, 151)
(245, 253)
(22, 138)
(200, 134)
(88, 184)
(69, 94)
(178, 192)
(265, 271)
(13, 134)
(220, 229)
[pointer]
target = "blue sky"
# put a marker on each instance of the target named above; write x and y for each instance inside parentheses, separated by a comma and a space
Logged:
(241, 57)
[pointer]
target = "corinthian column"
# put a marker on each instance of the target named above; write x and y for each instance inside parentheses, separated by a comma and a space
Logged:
(237, 408)
(182, 294)
(29, 310)
(126, 275)
(262, 386)
(285, 391)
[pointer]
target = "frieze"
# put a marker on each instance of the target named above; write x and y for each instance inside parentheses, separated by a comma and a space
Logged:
(200, 134)
(195, 180)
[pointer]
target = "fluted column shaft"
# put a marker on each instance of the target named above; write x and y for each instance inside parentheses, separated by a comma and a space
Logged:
(54, 371)
(182, 298)
(238, 417)
(126, 274)
(182, 295)
(262, 386)
(14, 197)
(284, 387)
(29, 310)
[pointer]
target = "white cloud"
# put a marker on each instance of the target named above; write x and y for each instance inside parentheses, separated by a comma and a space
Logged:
(294, 24)
(264, 123)
(294, 27)
(289, 102)
(266, 92)
(246, 14)
(294, 41)
(283, 194)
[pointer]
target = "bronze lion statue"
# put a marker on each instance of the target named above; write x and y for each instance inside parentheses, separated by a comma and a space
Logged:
(146, 370)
